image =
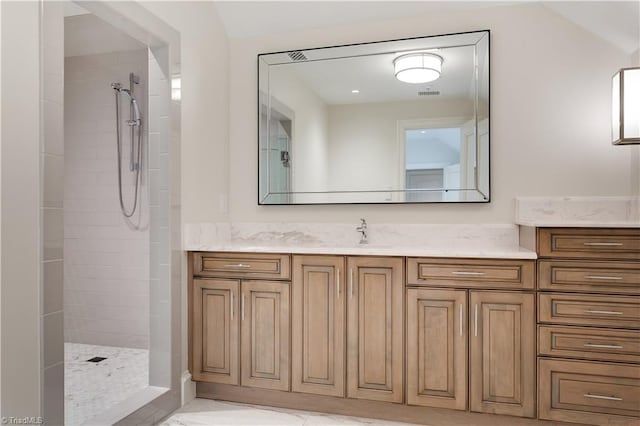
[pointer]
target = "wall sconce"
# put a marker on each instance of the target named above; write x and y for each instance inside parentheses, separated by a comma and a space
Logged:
(625, 107)
(418, 67)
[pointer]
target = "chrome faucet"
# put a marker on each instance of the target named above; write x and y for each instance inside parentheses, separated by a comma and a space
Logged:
(363, 231)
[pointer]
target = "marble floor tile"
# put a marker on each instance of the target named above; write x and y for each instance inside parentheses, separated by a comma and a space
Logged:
(201, 412)
(91, 388)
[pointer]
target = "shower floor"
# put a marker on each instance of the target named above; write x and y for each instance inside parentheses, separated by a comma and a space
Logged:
(90, 388)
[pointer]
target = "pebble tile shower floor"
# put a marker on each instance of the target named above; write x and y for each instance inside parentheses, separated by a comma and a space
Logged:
(90, 388)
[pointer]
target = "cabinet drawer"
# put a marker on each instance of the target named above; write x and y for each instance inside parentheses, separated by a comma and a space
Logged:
(240, 265)
(598, 344)
(589, 243)
(597, 310)
(588, 392)
(517, 274)
(591, 277)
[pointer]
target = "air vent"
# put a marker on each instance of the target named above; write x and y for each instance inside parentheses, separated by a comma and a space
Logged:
(429, 93)
(297, 56)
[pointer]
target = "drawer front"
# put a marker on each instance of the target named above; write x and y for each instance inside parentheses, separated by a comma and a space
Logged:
(589, 243)
(588, 392)
(591, 277)
(598, 344)
(242, 265)
(594, 310)
(517, 274)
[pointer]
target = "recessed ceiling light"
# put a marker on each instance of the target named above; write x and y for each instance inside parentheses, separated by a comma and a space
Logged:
(423, 131)
(355, 91)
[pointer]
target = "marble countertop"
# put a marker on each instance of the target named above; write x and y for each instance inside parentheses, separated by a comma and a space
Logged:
(375, 250)
(578, 212)
(578, 224)
(465, 241)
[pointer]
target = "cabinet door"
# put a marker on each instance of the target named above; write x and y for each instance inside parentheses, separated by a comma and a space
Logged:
(437, 348)
(265, 334)
(502, 353)
(215, 330)
(374, 328)
(318, 311)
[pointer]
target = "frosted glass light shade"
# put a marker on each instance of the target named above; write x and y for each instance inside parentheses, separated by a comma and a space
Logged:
(417, 67)
(625, 107)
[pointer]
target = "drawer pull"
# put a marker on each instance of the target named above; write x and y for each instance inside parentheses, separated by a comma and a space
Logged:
(467, 273)
(603, 244)
(595, 345)
(601, 277)
(591, 311)
(608, 398)
(237, 265)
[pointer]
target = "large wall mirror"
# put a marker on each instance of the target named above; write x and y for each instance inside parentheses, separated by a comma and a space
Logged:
(402, 121)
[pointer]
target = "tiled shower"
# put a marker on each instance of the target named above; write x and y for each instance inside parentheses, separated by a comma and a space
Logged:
(106, 256)
(112, 264)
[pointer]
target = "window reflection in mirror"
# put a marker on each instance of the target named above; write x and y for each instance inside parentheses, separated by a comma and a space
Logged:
(337, 126)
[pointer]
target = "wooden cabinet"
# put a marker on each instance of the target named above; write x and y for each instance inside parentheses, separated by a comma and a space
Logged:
(318, 325)
(471, 273)
(589, 316)
(589, 392)
(375, 328)
(265, 334)
(233, 309)
(437, 348)
(216, 330)
(502, 353)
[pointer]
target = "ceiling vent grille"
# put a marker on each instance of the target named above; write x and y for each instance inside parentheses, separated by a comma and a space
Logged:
(297, 56)
(429, 93)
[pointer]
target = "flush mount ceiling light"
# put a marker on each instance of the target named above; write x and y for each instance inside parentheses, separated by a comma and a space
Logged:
(625, 107)
(418, 67)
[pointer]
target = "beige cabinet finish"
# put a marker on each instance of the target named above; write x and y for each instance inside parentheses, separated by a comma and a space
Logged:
(437, 348)
(598, 344)
(589, 276)
(216, 330)
(502, 353)
(592, 310)
(318, 325)
(265, 334)
(375, 328)
(584, 243)
(471, 273)
(242, 265)
(589, 392)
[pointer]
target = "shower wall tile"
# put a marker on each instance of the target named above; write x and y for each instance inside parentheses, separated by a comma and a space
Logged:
(106, 272)
(52, 234)
(53, 339)
(53, 276)
(53, 169)
(51, 211)
(53, 386)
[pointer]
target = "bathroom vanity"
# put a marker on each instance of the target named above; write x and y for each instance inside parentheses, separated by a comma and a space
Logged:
(551, 331)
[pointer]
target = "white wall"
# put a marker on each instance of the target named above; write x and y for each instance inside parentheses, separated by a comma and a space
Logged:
(550, 111)
(205, 107)
(106, 260)
(309, 150)
(21, 251)
(363, 140)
